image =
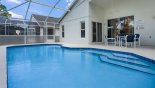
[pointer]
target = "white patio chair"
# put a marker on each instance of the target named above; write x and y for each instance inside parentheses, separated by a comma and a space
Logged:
(110, 41)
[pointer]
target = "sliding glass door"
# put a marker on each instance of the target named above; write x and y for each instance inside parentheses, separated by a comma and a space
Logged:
(96, 32)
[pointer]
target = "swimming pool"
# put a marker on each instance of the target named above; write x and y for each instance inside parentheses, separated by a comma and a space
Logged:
(55, 66)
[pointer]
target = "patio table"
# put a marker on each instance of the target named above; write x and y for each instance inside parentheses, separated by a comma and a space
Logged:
(118, 39)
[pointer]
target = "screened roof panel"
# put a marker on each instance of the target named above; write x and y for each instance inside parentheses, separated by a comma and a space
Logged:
(52, 2)
(11, 3)
(65, 3)
(40, 7)
(19, 12)
(57, 13)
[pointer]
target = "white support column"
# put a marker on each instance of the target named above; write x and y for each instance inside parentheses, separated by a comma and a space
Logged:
(46, 32)
(41, 32)
(45, 25)
(25, 39)
(54, 29)
(5, 25)
(25, 32)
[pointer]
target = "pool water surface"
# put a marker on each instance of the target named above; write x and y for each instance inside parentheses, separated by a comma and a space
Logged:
(54, 66)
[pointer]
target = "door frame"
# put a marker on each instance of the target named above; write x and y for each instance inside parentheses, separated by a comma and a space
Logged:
(96, 31)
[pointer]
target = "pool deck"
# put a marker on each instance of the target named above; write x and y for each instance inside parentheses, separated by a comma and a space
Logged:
(146, 51)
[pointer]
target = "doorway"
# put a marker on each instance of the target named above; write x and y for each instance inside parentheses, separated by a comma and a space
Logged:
(96, 32)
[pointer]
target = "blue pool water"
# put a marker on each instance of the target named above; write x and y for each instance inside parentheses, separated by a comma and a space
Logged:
(53, 66)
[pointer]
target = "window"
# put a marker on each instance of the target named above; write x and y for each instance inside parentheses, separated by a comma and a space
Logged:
(63, 31)
(31, 31)
(82, 29)
(50, 33)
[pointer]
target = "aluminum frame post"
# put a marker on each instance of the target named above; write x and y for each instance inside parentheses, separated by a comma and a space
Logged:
(5, 25)
(27, 9)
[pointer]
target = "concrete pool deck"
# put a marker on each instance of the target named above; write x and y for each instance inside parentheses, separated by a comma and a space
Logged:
(146, 51)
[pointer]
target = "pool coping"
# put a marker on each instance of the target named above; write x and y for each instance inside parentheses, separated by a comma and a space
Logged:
(3, 56)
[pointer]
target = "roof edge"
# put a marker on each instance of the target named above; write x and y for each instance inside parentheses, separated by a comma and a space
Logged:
(70, 8)
(34, 18)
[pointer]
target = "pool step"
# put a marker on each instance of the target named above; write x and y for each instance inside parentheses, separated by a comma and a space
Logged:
(121, 59)
(117, 55)
(130, 66)
(129, 61)
(125, 56)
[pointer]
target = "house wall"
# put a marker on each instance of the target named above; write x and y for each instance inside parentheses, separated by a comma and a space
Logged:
(96, 14)
(72, 21)
(57, 32)
(41, 29)
(141, 9)
(88, 11)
